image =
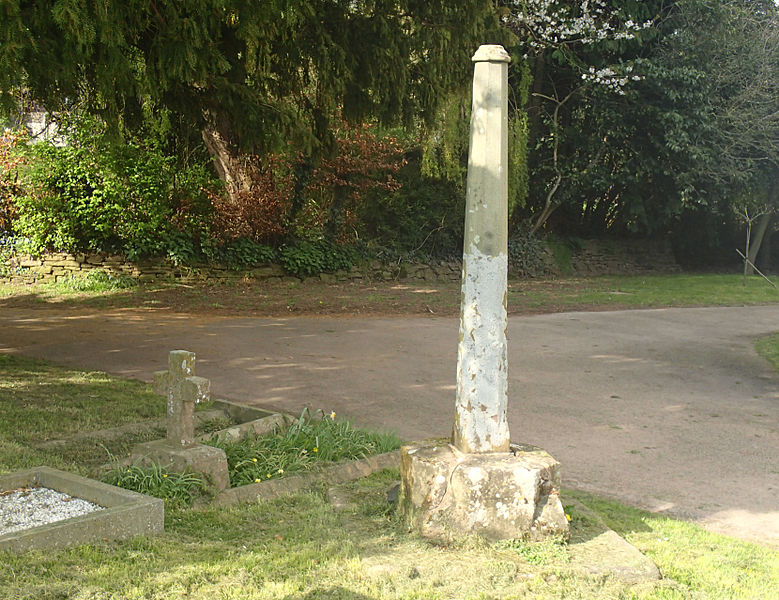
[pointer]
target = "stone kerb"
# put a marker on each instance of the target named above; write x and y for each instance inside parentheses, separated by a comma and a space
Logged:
(125, 514)
(593, 258)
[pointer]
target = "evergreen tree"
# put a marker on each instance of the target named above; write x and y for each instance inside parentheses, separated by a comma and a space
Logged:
(249, 76)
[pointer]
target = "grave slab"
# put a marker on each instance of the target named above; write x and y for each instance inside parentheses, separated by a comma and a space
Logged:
(125, 514)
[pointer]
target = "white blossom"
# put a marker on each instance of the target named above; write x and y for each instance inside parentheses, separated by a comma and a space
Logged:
(554, 23)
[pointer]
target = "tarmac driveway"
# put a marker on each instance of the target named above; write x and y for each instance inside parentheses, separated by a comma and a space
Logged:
(667, 409)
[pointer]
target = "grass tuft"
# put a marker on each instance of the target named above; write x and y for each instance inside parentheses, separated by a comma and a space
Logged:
(95, 280)
(308, 442)
(177, 489)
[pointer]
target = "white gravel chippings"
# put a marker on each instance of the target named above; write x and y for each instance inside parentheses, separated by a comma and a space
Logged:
(30, 507)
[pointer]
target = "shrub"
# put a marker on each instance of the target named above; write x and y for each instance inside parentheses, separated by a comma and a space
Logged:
(240, 253)
(259, 213)
(527, 255)
(304, 258)
(365, 160)
(423, 218)
(103, 194)
(10, 160)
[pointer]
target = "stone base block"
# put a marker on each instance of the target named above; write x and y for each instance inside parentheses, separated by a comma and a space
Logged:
(197, 458)
(446, 494)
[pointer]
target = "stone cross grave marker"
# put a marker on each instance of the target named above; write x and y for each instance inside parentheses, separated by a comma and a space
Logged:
(183, 390)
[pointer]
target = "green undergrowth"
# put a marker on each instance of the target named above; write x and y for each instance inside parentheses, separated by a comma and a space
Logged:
(309, 442)
(300, 547)
(178, 490)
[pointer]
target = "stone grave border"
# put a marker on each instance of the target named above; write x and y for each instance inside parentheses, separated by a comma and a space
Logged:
(181, 450)
(250, 422)
(342, 472)
(125, 514)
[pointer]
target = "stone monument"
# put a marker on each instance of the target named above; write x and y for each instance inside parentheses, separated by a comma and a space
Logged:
(179, 451)
(479, 482)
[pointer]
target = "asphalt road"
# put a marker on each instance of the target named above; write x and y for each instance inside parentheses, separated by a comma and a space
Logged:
(669, 409)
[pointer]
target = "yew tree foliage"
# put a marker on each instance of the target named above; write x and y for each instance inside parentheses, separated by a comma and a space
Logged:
(262, 73)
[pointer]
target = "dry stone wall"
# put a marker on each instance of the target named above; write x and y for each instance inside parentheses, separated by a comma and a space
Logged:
(591, 258)
(624, 257)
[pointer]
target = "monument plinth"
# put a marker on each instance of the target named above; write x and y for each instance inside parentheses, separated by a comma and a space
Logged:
(478, 482)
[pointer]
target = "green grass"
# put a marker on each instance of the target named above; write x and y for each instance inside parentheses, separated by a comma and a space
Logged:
(41, 402)
(97, 281)
(177, 489)
(645, 292)
(704, 564)
(768, 348)
(301, 547)
(305, 445)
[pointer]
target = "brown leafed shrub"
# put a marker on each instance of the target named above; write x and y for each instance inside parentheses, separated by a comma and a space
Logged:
(363, 161)
(9, 178)
(263, 212)
(257, 213)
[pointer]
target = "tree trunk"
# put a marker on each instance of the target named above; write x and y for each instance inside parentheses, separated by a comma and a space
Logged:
(765, 258)
(231, 166)
(757, 239)
(763, 225)
(534, 103)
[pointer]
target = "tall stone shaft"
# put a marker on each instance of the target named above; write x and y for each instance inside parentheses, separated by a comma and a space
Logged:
(481, 423)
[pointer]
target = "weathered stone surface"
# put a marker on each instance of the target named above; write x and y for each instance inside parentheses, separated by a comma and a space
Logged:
(262, 426)
(198, 458)
(481, 423)
(183, 390)
(268, 271)
(503, 495)
(609, 554)
(65, 263)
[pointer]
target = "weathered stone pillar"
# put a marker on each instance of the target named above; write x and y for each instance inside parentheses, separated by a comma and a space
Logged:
(478, 482)
(481, 424)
